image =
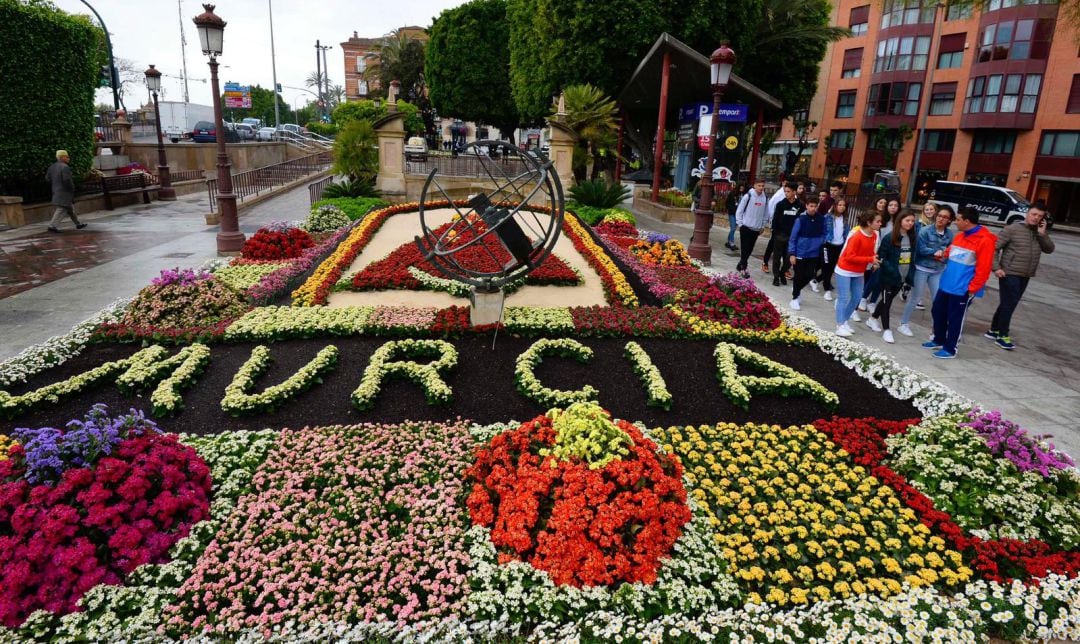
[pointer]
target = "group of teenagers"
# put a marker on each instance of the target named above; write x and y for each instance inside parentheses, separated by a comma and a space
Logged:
(947, 257)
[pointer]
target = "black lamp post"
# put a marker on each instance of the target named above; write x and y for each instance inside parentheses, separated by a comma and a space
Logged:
(720, 64)
(165, 191)
(211, 30)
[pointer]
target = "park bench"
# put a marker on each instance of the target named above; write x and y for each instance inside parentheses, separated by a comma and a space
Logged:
(128, 184)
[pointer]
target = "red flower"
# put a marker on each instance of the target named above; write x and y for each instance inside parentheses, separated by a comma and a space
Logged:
(275, 245)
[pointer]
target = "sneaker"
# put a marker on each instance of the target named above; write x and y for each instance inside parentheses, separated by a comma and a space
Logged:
(862, 304)
(795, 304)
(931, 345)
(944, 355)
(905, 330)
(888, 337)
(53, 230)
(855, 317)
(765, 267)
(920, 306)
(828, 296)
(1005, 342)
(844, 331)
(80, 226)
(874, 324)
(776, 281)
(814, 286)
(848, 327)
(991, 335)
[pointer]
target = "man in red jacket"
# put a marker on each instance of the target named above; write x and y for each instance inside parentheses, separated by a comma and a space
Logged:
(967, 268)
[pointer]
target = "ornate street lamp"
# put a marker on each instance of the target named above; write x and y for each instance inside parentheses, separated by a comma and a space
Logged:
(165, 191)
(211, 30)
(720, 64)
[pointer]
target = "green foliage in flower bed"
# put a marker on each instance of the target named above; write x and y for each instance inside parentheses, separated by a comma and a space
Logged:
(241, 277)
(354, 207)
(599, 193)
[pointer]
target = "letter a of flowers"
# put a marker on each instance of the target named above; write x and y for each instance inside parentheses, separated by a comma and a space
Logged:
(782, 379)
(436, 391)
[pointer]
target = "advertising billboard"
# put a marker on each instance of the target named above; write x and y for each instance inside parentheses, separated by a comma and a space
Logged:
(237, 96)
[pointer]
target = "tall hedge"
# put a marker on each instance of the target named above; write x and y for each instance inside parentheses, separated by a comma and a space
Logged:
(49, 69)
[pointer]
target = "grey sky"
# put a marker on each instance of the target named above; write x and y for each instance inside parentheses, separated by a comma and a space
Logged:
(148, 31)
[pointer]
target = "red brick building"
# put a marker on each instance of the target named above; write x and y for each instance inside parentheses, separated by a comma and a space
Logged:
(362, 62)
(998, 91)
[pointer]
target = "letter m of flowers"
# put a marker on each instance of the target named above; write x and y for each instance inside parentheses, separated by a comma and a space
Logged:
(781, 379)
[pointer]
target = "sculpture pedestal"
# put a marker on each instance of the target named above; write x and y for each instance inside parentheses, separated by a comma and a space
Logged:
(486, 307)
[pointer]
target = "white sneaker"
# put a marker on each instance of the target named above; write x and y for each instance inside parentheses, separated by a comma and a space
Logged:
(873, 324)
(814, 286)
(828, 296)
(795, 304)
(888, 336)
(848, 327)
(844, 331)
(862, 304)
(855, 317)
(905, 330)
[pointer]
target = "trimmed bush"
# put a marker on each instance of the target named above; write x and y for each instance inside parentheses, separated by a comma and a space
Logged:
(325, 219)
(355, 208)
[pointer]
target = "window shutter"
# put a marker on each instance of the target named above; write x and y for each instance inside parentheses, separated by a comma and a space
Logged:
(952, 42)
(1074, 96)
(853, 58)
(944, 88)
(860, 15)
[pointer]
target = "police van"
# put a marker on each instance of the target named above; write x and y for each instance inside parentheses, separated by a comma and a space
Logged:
(995, 204)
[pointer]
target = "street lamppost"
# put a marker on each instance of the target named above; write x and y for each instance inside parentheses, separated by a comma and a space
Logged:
(165, 191)
(720, 64)
(211, 30)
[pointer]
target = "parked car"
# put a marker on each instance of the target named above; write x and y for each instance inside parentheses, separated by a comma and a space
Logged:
(293, 128)
(253, 122)
(245, 131)
(266, 134)
(416, 149)
(206, 132)
(997, 205)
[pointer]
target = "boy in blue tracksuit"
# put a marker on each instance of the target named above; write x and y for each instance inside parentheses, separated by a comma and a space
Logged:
(804, 247)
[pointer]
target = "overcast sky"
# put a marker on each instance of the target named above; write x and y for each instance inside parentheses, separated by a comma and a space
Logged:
(148, 31)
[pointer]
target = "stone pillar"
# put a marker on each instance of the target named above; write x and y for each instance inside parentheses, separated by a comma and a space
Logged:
(562, 141)
(122, 131)
(11, 211)
(390, 182)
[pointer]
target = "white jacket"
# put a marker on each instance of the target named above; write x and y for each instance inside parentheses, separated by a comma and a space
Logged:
(753, 211)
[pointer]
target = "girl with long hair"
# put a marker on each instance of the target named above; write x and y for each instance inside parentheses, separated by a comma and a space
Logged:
(857, 257)
(896, 253)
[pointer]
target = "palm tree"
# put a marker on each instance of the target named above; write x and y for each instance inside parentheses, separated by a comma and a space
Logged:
(592, 115)
(315, 79)
(782, 23)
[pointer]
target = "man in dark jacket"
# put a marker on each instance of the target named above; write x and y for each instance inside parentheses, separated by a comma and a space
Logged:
(63, 191)
(1019, 248)
(804, 247)
(783, 220)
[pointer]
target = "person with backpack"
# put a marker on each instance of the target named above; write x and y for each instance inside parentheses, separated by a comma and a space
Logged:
(896, 252)
(751, 217)
(732, 204)
(804, 248)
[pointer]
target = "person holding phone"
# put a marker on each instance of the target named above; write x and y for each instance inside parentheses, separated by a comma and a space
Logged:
(1016, 259)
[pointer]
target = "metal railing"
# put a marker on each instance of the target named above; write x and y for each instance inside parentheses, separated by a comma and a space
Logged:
(252, 182)
(465, 165)
(186, 175)
(316, 188)
(308, 142)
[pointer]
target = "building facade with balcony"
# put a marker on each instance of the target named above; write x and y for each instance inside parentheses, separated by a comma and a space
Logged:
(997, 90)
(362, 62)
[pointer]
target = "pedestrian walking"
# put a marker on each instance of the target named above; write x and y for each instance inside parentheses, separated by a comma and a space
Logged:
(732, 204)
(804, 248)
(783, 221)
(857, 257)
(871, 287)
(930, 246)
(826, 203)
(779, 196)
(836, 233)
(751, 217)
(63, 192)
(895, 252)
(967, 267)
(1018, 250)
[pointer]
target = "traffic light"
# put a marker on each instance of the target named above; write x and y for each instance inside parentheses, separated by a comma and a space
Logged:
(279, 88)
(108, 77)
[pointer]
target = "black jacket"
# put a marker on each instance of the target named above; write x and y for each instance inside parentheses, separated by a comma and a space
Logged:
(784, 216)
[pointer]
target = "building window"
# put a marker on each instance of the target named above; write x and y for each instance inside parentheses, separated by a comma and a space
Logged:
(950, 59)
(958, 12)
(1003, 93)
(907, 12)
(994, 5)
(951, 51)
(902, 54)
(361, 64)
(1060, 144)
(1073, 106)
(939, 140)
(1016, 40)
(942, 98)
(993, 142)
(842, 139)
(897, 99)
(860, 18)
(852, 67)
(845, 104)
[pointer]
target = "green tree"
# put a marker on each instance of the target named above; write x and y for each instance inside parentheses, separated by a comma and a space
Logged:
(591, 115)
(366, 111)
(356, 151)
(402, 59)
(262, 106)
(468, 65)
(558, 43)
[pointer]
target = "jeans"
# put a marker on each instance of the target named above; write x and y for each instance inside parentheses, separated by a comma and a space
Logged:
(829, 256)
(889, 293)
(847, 298)
(781, 261)
(872, 287)
(747, 239)
(949, 311)
(923, 282)
(731, 229)
(1012, 289)
(805, 268)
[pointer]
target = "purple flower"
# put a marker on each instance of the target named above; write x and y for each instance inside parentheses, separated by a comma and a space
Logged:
(656, 238)
(183, 277)
(1006, 439)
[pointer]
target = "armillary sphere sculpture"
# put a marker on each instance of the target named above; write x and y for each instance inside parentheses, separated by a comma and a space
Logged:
(502, 232)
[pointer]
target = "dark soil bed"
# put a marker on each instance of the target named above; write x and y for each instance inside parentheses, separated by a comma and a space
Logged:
(483, 385)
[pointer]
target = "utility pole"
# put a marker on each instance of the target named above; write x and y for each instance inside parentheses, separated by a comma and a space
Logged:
(183, 49)
(326, 79)
(273, 65)
(114, 78)
(318, 76)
